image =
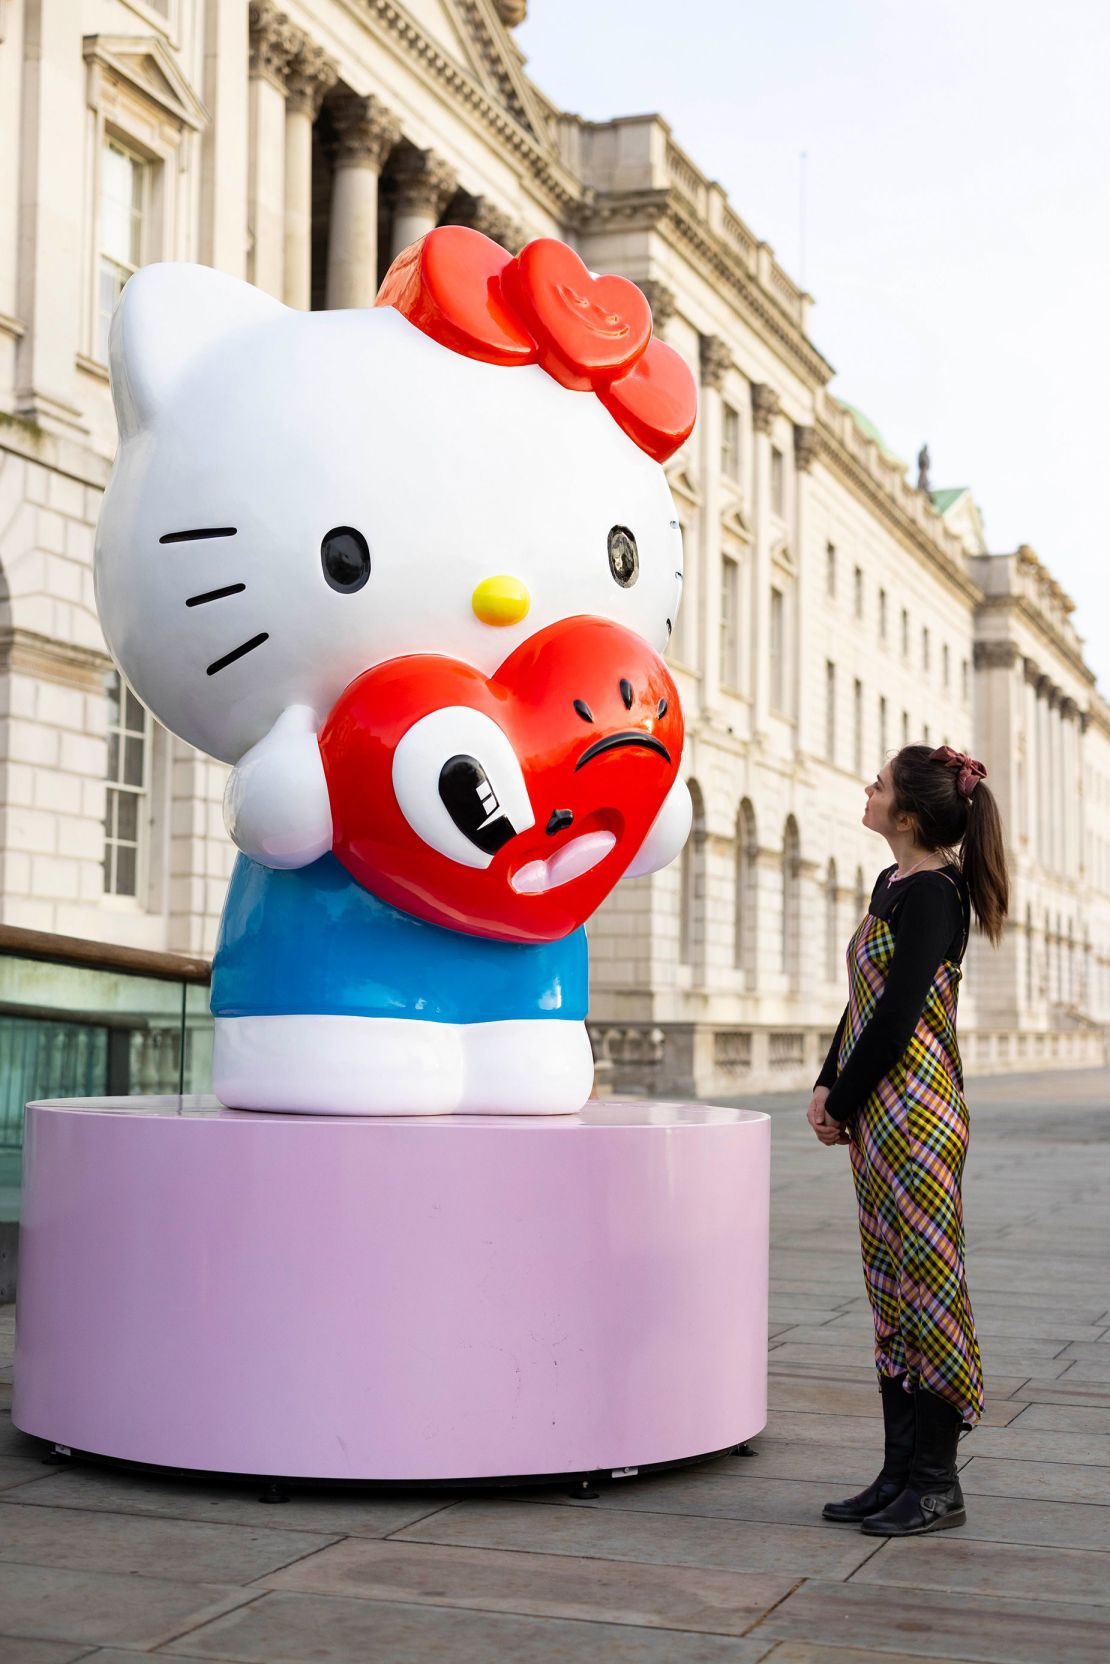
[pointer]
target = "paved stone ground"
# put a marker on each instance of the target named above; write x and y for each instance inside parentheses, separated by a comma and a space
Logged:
(724, 1562)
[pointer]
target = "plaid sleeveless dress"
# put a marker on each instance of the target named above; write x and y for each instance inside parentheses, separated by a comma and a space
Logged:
(908, 1144)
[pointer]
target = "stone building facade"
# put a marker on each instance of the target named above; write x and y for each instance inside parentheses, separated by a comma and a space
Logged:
(832, 611)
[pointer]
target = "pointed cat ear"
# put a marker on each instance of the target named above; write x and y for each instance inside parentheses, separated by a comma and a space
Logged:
(169, 316)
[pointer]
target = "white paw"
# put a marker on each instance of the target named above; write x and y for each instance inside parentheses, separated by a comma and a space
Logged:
(276, 804)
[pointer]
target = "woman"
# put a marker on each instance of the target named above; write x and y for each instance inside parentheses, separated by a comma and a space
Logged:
(892, 1090)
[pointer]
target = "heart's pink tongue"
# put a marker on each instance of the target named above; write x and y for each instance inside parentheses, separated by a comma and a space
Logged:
(571, 861)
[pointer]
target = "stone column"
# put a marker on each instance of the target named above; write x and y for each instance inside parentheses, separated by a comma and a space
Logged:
(714, 359)
(309, 75)
(422, 185)
(274, 44)
(363, 134)
(765, 407)
(805, 454)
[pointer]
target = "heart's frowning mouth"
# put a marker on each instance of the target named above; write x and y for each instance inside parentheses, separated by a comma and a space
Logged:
(629, 736)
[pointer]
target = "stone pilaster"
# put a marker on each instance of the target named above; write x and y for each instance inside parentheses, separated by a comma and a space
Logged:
(765, 408)
(274, 43)
(714, 361)
(363, 134)
(421, 184)
(805, 454)
(309, 75)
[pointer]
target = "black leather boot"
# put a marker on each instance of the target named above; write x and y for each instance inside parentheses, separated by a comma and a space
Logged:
(898, 1430)
(932, 1499)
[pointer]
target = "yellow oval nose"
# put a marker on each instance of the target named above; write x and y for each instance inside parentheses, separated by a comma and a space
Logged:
(501, 600)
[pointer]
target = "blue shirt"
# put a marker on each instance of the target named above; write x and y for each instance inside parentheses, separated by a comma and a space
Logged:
(313, 941)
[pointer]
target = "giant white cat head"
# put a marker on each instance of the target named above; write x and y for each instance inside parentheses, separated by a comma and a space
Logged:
(301, 495)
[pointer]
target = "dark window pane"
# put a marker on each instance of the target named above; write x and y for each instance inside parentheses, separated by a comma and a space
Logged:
(127, 816)
(113, 756)
(126, 866)
(133, 761)
(136, 716)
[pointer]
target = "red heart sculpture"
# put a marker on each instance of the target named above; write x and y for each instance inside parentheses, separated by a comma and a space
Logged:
(449, 285)
(506, 806)
(587, 329)
(656, 403)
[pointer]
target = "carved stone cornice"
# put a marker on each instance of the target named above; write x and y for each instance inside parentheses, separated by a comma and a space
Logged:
(1032, 671)
(805, 448)
(663, 301)
(362, 130)
(918, 539)
(53, 661)
(274, 42)
(995, 655)
(765, 406)
(511, 12)
(421, 182)
(715, 361)
(308, 76)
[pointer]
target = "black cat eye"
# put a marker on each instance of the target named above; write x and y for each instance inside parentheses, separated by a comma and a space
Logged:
(345, 557)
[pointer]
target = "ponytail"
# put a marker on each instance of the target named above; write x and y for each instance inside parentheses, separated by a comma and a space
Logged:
(983, 862)
(947, 794)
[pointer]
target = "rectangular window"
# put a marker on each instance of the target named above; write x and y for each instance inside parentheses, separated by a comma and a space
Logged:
(905, 727)
(128, 758)
(924, 649)
(120, 237)
(964, 688)
(830, 711)
(730, 442)
(857, 726)
(830, 571)
(778, 483)
(882, 615)
(857, 591)
(882, 727)
(905, 634)
(730, 599)
(945, 662)
(778, 652)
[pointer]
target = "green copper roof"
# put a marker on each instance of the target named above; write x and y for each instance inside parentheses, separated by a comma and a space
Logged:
(943, 500)
(866, 426)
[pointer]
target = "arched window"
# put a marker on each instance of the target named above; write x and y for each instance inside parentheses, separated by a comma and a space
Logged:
(747, 895)
(691, 918)
(862, 897)
(832, 925)
(791, 902)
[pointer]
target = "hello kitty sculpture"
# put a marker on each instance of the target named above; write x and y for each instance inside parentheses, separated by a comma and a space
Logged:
(410, 570)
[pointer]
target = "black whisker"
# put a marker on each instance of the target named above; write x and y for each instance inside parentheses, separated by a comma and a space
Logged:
(583, 710)
(626, 692)
(215, 595)
(204, 531)
(237, 652)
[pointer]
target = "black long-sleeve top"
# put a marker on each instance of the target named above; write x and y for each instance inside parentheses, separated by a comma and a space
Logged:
(929, 913)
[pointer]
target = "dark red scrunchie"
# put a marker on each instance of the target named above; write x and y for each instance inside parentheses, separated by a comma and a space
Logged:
(971, 770)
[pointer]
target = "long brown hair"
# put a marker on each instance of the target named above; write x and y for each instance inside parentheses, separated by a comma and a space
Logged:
(969, 828)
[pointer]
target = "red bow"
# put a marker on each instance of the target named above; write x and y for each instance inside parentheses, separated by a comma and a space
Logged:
(971, 770)
(592, 334)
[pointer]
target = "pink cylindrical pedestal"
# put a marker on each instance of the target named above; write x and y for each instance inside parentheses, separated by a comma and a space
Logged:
(447, 1298)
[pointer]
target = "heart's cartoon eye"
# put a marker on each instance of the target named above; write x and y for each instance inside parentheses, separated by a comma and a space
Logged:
(624, 558)
(345, 557)
(459, 785)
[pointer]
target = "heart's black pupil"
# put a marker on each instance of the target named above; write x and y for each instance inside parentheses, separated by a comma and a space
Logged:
(345, 557)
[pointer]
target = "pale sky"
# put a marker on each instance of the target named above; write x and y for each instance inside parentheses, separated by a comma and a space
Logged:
(957, 236)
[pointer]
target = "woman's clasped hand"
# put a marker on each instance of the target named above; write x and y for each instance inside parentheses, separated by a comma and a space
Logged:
(827, 1130)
